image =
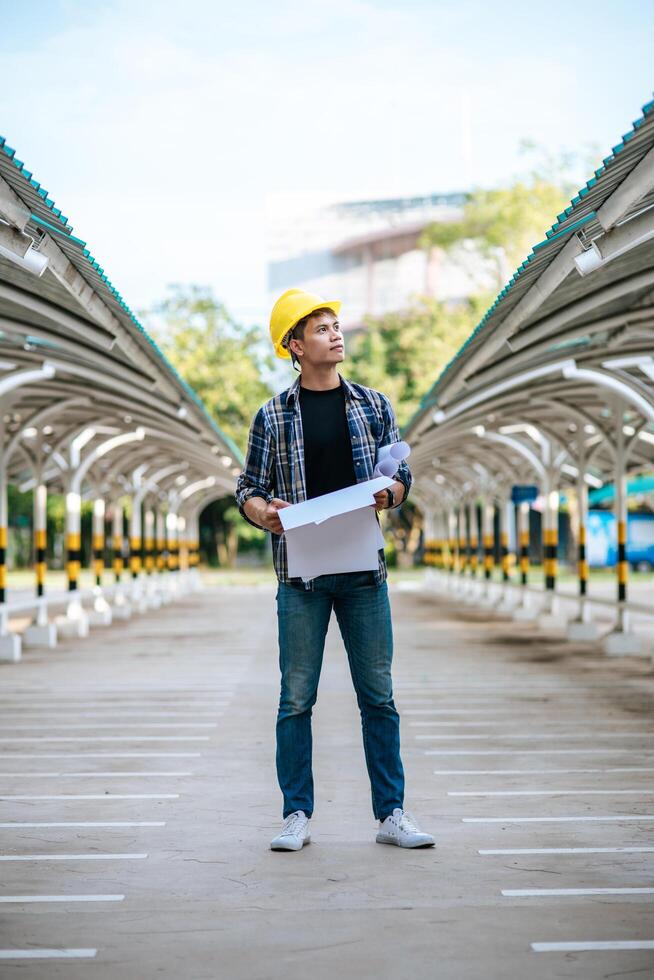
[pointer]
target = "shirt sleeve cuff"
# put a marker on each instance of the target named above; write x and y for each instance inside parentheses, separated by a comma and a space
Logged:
(246, 495)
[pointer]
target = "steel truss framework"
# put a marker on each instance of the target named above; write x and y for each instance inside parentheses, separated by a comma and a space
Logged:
(556, 385)
(90, 407)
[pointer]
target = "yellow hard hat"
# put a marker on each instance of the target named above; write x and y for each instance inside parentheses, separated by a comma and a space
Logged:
(291, 307)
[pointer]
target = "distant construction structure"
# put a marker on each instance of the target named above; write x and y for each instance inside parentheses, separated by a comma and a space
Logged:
(368, 254)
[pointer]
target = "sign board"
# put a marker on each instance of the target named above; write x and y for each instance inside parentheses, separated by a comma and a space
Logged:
(523, 493)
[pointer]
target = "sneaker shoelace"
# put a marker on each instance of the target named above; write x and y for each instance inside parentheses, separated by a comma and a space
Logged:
(294, 823)
(408, 823)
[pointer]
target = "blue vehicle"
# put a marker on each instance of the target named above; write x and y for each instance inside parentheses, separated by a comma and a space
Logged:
(601, 540)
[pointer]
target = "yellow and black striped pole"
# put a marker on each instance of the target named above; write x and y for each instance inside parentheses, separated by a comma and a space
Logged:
(3, 563)
(135, 558)
(488, 516)
(73, 539)
(98, 539)
(523, 542)
(162, 552)
(582, 562)
(550, 546)
(503, 533)
(117, 541)
(148, 552)
(452, 542)
(464, 546)
(620, 504)
(474, 541)
(40, 542)
(171, 540)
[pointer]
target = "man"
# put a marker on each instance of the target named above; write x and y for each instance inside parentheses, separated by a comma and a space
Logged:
(320, 435)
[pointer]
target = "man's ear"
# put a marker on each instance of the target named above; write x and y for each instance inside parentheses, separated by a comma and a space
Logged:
(296, 346)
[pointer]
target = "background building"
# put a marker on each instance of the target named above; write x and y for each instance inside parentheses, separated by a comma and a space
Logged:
(367, 254)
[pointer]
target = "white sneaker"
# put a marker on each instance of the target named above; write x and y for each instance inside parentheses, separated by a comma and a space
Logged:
(400, 828)
(295, 833)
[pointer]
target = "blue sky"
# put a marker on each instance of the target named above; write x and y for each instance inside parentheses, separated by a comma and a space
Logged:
(162, 128)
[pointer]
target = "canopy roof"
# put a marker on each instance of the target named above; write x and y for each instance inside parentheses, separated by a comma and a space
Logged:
(560, 356)
(109, 375)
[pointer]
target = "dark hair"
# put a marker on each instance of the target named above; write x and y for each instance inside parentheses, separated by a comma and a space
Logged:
(297, 333)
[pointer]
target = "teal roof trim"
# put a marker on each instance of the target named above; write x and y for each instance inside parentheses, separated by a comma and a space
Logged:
(64, 232)
(555, 233)
(640, 484)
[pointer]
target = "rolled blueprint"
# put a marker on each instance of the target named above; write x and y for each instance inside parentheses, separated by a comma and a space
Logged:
(390, 457)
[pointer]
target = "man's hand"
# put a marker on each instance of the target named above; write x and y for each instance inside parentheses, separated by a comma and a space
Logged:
(381, 498)
(266, 514)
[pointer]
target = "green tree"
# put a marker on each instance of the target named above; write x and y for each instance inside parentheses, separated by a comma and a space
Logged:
(224, 363)
(505, 222)
(221, 360)
(402, 353)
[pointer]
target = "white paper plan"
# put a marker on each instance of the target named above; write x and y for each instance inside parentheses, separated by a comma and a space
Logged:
(337, 532)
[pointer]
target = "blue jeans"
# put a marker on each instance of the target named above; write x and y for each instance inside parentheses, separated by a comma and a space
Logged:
(364, 618)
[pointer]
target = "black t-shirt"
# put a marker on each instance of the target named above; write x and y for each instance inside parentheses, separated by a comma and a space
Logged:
(327, 447)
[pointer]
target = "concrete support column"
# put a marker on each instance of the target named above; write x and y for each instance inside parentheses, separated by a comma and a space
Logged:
(137, 592)
(522, 513)
(172, 546)
(621, 641)
(509, 596)
(550, 546)
(182, 555)
(162, 557)
(151, 590)
(526, 610)
(101, 614)
(76, 620)
(582, 628)
(453, 547)
(193, 533)
(474, 541)
(551, 616)
(487, 519)
(121, 607)
(40, 632)
(10, 643)
(429, 538)
(464, 540)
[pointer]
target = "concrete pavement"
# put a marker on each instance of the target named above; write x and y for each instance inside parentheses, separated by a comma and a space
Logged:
(143, 759)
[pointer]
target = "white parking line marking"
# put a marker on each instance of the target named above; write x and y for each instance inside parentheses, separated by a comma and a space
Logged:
(66, 706)
(535, 772)
(25, 899)
(46, 954)
(120, 716)
(132, 856)
(99, 755)
(65, 775)
(567, 850)
(541, 736)
(617, 818)
(545, 892)
(593, 946)
(112, 724)
(556, 792)
(98, 796)
(110, 738)
(511, 721)
(644, 752)
(85, 823)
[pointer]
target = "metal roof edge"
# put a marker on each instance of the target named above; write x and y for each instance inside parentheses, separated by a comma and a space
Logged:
(64, 229)
(555, 233)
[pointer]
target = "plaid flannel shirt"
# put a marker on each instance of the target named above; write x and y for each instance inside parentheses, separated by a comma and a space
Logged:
(274, 465)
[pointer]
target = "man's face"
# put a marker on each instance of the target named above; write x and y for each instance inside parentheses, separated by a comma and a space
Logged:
(323, 341)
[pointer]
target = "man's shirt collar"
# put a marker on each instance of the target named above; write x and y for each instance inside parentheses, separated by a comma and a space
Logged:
(293, 391)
